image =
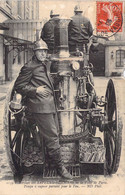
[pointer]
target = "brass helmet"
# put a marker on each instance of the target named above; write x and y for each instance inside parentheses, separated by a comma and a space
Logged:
(77, 8)
(40, 44)
(54, 13)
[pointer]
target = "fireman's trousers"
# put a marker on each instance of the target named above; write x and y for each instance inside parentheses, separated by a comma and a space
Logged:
(47, 126)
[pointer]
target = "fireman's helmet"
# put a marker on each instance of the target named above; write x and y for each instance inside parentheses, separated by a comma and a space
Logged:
(40, 45)
(54, 13)
(77, 8)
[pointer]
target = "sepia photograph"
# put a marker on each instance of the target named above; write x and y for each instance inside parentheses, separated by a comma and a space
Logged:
(62, 105)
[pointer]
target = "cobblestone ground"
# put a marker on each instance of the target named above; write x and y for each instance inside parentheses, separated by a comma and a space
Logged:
(5, 172)
(116, 181)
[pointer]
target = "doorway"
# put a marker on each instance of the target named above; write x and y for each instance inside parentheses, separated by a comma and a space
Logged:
(98, 60)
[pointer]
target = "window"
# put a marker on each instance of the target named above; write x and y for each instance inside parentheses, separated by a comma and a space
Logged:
(19, 58)
(3, 53)
(120, 56)
(9, 3)
(32, 8)
(26, 8)
(19, 8)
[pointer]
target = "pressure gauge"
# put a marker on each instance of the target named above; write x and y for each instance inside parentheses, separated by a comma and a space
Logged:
(75, 65)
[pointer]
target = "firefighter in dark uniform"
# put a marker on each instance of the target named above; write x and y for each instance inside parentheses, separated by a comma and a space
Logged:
(35, 83)
(47, 33)
(79, 30)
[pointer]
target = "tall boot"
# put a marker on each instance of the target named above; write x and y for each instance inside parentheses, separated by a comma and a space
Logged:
(61, 170)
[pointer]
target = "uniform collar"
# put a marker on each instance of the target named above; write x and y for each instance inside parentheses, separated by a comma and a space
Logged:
(54, 18)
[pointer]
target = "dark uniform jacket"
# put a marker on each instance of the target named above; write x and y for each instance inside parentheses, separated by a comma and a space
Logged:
(32, 75)
(47, 33)
(79, 29)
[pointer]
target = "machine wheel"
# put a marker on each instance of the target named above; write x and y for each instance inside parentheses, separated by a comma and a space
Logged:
(14, 138)
(113, 130)
(22, 138)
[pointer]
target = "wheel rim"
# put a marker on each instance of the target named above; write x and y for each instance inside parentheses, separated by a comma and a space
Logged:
(112, 131)
(15, 136)
(16, 140)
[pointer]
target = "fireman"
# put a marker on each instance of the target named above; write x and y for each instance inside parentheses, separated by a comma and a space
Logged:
(79, 30)
(34, 82)
(47, 33)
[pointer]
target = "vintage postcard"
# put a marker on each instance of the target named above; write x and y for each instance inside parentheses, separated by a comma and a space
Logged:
(62, 88)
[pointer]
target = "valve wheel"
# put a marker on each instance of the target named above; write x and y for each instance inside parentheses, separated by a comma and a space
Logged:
(113, 130)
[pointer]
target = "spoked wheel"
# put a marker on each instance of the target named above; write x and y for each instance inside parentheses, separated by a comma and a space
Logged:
(14, 139)
(24, 145)
(113, 130)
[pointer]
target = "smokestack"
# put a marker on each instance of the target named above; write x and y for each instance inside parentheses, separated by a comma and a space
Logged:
(61, 34)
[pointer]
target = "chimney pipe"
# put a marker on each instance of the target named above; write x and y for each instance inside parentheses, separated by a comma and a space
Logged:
(61, 34)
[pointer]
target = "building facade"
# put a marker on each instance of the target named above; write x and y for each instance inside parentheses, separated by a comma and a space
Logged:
(18, 25)
(12, 9)
(115, 51)
(115, 58)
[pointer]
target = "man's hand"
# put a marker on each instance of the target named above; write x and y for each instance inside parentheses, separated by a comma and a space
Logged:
(42, 90)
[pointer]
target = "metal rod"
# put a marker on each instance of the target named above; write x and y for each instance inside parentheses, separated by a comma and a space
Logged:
(76, 110)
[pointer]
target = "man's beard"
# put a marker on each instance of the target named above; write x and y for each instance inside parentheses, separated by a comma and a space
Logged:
(42, 59)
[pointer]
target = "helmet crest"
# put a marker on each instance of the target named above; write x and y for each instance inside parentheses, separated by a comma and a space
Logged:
(54, 13)
(40, 44)
(77, 8)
